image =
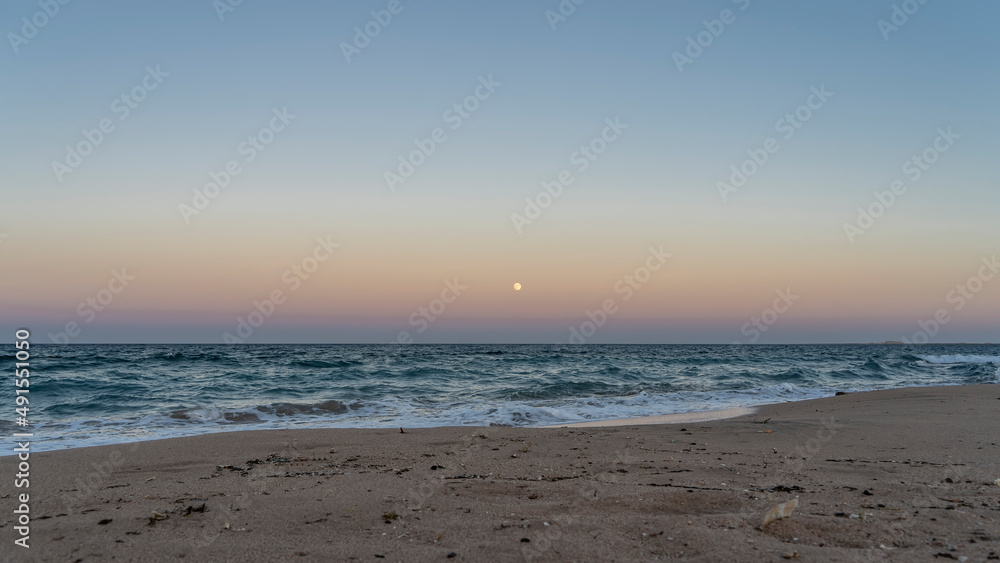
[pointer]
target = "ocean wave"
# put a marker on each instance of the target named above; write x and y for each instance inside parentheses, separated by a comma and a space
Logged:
(960, 359)
(873, 364)
(794, 374)
(323, 364)
(965, 359)
(260, 413)
(194, 356)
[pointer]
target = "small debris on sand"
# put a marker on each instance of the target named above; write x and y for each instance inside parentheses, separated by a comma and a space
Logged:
(187, 511)
(783, 510)
(156, 516)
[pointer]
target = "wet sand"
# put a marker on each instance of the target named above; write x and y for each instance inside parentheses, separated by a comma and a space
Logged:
(899, 475)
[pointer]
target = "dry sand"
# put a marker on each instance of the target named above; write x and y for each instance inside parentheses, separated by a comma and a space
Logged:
(899, 475)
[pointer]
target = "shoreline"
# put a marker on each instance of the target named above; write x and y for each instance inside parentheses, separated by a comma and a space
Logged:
(898, 475)
(672, 418)
(707, 415)
(676, 418)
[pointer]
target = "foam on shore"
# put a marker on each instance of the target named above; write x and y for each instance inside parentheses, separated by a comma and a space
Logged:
(679, 418)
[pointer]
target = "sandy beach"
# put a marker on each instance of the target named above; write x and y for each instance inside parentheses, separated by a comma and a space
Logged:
(898, 475)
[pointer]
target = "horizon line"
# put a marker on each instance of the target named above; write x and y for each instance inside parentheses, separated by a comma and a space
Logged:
(886, 343)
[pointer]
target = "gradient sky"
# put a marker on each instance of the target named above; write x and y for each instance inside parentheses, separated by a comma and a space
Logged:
(656, 185)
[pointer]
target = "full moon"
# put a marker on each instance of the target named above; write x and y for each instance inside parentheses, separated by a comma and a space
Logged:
(517, 287)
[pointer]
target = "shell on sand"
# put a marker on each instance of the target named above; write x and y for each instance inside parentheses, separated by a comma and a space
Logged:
(779, 511)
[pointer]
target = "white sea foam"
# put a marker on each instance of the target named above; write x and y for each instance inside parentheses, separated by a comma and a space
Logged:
(401, 412)
(957, 359)
(960, 359)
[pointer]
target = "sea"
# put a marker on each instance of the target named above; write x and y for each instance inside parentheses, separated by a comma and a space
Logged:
(86, 395)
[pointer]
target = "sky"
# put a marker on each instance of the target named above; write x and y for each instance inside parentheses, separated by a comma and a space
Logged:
(385, 171)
